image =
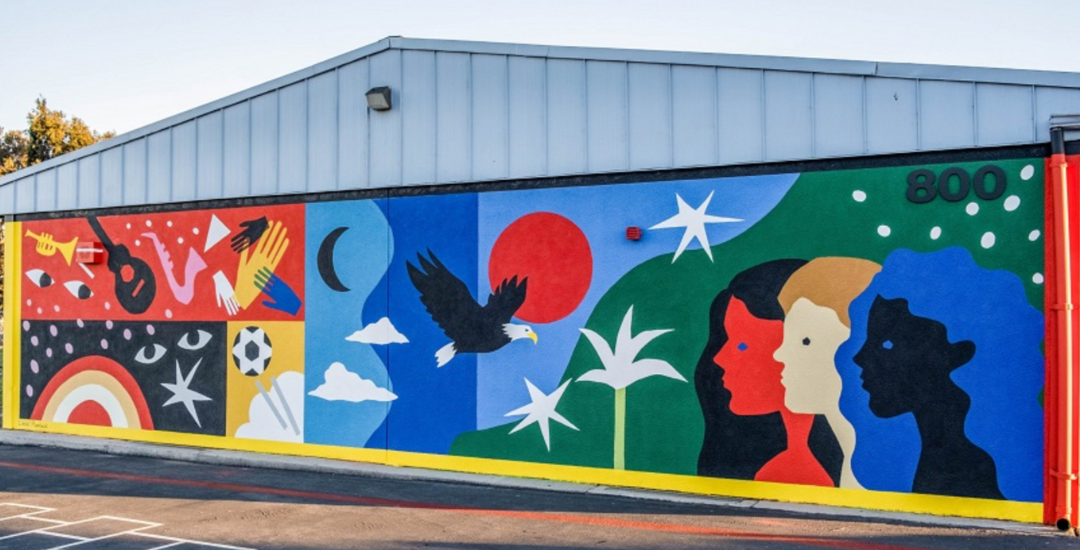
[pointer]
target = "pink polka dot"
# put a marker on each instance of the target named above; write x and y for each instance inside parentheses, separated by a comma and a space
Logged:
(26, 325)
(52, 330)
(150, 329)
(48, 352)
(29, 391)
(104, 344)
(108, 325)
(33, 341)
(69, 348)
(107, 305)
(79, 322)
(127, 334)
(34, 366)
(168, 314)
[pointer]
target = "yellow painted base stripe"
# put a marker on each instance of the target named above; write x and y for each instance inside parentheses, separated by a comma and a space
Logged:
(754, 490)
(376, 456)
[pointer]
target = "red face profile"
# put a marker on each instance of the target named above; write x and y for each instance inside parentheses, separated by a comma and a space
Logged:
(750, 372)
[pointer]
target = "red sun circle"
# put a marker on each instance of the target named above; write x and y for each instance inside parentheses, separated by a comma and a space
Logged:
(554, 254)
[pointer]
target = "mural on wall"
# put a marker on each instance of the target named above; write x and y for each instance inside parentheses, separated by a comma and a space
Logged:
(877, 328)
(135, 341)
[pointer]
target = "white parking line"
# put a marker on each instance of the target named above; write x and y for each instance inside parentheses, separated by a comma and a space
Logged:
(36, 509)
(85, 540)
(176, 541)
(75, 541)
(45, 529)
(170, 545)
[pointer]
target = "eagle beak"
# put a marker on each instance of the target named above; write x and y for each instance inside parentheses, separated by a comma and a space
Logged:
(533, 336)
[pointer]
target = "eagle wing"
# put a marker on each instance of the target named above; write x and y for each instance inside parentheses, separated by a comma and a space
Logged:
(446, 298)
(506, 300)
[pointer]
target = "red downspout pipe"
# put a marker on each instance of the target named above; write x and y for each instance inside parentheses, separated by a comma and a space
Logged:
(1064, 473)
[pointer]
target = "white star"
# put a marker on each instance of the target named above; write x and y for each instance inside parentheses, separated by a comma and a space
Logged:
(182, 394)
(541, 411)
(693, 220)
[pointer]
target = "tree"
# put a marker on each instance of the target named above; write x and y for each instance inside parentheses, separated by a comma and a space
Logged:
(49, 134)
(13, 148)
(622, 368)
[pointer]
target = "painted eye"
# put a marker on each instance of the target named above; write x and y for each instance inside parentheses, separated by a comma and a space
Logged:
(806, 341)
(78, 289)
(202, 338)
(742, 346)
(887, 344)
(39, 278)
(157, 351)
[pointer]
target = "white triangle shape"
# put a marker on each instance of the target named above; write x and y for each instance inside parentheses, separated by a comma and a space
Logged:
(216, 232)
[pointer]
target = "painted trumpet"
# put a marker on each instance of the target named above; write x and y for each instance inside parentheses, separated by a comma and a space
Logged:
(47, 245)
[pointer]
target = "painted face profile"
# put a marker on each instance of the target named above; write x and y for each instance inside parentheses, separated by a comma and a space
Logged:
(750, 372)
(812, 334)
(942, 377)
(815, 301)
(906, 359)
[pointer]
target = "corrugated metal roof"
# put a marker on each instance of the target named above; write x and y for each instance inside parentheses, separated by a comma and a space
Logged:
(470, 111)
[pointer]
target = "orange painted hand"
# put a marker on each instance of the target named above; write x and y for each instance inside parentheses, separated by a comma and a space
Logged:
(266, 254)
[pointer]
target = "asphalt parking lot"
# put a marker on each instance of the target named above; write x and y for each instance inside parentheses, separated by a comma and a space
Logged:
(51, 499)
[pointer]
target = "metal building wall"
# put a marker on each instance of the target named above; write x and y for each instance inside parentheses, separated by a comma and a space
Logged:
(475, 112)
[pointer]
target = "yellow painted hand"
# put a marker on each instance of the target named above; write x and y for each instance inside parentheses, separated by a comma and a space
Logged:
(266, 253)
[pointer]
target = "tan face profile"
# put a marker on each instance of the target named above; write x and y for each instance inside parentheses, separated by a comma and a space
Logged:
(812, 334)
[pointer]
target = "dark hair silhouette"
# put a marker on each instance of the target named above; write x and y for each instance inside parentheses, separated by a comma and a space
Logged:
(737, 446)
(906, 365)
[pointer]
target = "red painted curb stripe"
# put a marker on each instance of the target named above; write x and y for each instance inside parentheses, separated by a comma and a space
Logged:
(530, 516)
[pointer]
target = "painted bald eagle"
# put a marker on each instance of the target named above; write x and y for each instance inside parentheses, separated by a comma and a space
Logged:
(472, 328)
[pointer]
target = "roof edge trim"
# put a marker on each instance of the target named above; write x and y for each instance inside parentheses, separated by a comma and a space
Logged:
(1019, 77)
(196, 112)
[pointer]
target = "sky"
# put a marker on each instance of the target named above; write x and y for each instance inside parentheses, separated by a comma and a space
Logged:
(120, 65)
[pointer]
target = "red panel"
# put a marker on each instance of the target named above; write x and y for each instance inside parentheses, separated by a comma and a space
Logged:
(180, 234)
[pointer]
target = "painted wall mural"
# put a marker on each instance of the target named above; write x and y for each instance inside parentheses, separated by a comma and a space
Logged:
(870, 329)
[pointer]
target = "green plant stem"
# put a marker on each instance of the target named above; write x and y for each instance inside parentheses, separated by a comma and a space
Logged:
(620, 429)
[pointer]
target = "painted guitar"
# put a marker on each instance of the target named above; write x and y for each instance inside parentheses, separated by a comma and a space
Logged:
(135, 285)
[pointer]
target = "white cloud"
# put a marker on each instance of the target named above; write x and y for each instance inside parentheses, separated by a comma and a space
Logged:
(272, 419)
(379, 332)
(342, 385)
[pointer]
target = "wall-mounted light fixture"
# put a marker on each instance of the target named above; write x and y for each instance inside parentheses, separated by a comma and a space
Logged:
(379, 98)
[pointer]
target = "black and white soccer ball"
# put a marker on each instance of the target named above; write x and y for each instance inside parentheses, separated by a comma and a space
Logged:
(252, 351)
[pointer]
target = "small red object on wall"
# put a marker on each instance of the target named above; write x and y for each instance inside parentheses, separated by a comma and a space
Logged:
(633, 233)
(89, 253)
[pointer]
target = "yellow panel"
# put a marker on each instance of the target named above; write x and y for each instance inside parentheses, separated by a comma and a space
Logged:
(287, 338)
(12, 332)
